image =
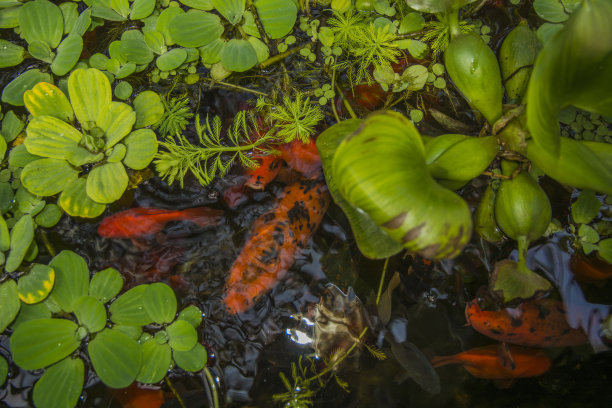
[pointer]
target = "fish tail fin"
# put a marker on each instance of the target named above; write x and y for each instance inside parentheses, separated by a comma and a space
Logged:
(202, 216)
(439, 361)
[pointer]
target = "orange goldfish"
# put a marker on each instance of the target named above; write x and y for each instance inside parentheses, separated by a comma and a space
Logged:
(137, 222)
(266, 172)
(136, 396)
(302, 157)
(485, 362)
(277, 236)
(534, 323)
(590, 269)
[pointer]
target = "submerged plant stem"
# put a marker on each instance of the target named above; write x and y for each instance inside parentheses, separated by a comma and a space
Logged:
(382, 280)
(237, 87)
(280, 57)
(176, 394)
(213, 387)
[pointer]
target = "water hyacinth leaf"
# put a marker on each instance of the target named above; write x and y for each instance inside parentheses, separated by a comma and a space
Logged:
(248, 24)
(586, 207)
(116, 120)
(484, 217)
(411, 22)
(90, 313)
(437, 6)
(60, 385)
(417, 366)
(134, 48)
(133, 332)
(47, 177)
(163, 22)
(19, 157)
(117, 153)
(547, 30)
(211, 53)
(191, 314)
(159, 301)
(41, 20)
(9, 17)
(261, 50)
(68, 54)
(141, 148)
(115, 357)
(22, 235)
(49, 216)
(107, 183)
(232, 10)
(38, 343)
(90, 93)
(551, 10)
(10, 303)
(10, 54)
(584, 49)
(171, 59)
(125, 70)
(195, 29)
(372, 241)
(156, 42)
(128, 309)
(122, 7)
(82, 23)
(142, 9)
(238, 55)
(102, 9)
(416, 76)
(105, 284)
(46, 99)
(36, 284)
(114, 52)
(71, 279)
(205, 5)
(11, 126)
(76, 203)
(149, 109)
(182, 336)
(192, 360)
(50, 137)
(516, 57)
(31, 312)
(511, 281)
(156, 360)
(13, 92)
(3, 370)
(277, 16)
(78, 156)
(381, 169)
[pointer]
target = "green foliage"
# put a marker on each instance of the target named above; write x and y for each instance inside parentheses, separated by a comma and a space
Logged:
(438, 33)
(296, 118)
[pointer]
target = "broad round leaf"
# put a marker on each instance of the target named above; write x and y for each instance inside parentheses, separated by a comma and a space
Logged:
(191, 314)
(61, 384)
(163, 22)
(123, 90)
(31, 312)
(181, 335)
(171, 59)
(437, 6)
(49, 216)
(192, 360)
(105, 284)
(142, 9)
(195, 29)
(82, 23)
(211, 53)
(47, 177)
(115, 357)
(5, 238)
(238, 55)
(36, 284)
(586, 207)
(41, 20)
(381, 169)
(11, 126)
(232, 10)
(134, 48)
(13, 92)
(9, 302)
(90, 92)
(71, 279)
(116, 120)
(141, 148)
(198, 4)
(49, 137)
(107, 183)
(90, 313)
(371, 240)
(156, 41)
(156, 359)
(277, 16)
(46, 99)
(128, 309)
(159, 301)
(10, 54)
(3, 370)
(22, 235)
(68, 54)
(260, 48)
(149, 109)
(78, 156)
(75, 201)
(39, 343)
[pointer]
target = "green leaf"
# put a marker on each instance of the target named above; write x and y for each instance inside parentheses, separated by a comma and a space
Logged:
(171, 59)
(41, 20)
(116, 120)
(9, 301)
(13, 92)
(9, 17)
(31, 312)
(238, 55)
(3, 370)
(105, 284)
(586, 207)
(156, 42)
(133, 332)
(156, 360)
(68, 54)
(371, 240)
(79, 156)
(10, 54)
(163, 22)
(90, 93)
(71, 279)
(122, 7)
(160, 302)
(129, 308)
(36, 284)
(381, 170)
(211, 53)
(605, 250)
(22, 235)
(123, 90)
(588, 234)
(46, 99)
(47, 177)
(198, 4)
(277, 16)
(11, 126)
(90, 313)
(141, 148)
(134, 48)
(550, 10)
(510, 282)
(60, 385)
(115, 357)
(149, 109)
(50, 137)
(75, 201)
(572, 69)
(411, 22)
(117, 153)
(49, 216)
(107, 183)
(191, 314)
(192, 360)
(195, 29)
(182, 336)
(38, 343)
(142, 9)
(438, 6)
(232, 10)
(261, 49)
(82, 23)
(5, 238)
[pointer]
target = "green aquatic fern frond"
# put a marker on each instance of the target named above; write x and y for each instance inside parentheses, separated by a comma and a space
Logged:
(437, 34)
(348, 28)
(176, 115)
(295, 119)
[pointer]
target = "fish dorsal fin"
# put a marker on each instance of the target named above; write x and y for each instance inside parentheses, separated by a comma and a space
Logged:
(506, 359)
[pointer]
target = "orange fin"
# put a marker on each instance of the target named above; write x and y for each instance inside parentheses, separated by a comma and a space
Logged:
(506, 359)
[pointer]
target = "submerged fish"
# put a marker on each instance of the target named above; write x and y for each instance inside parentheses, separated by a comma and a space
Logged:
(137, 222)
(535, 323)
(486, 362)
(269, 167)
(139, 396)
(277, 236)
(591, 269)
(302, 157)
